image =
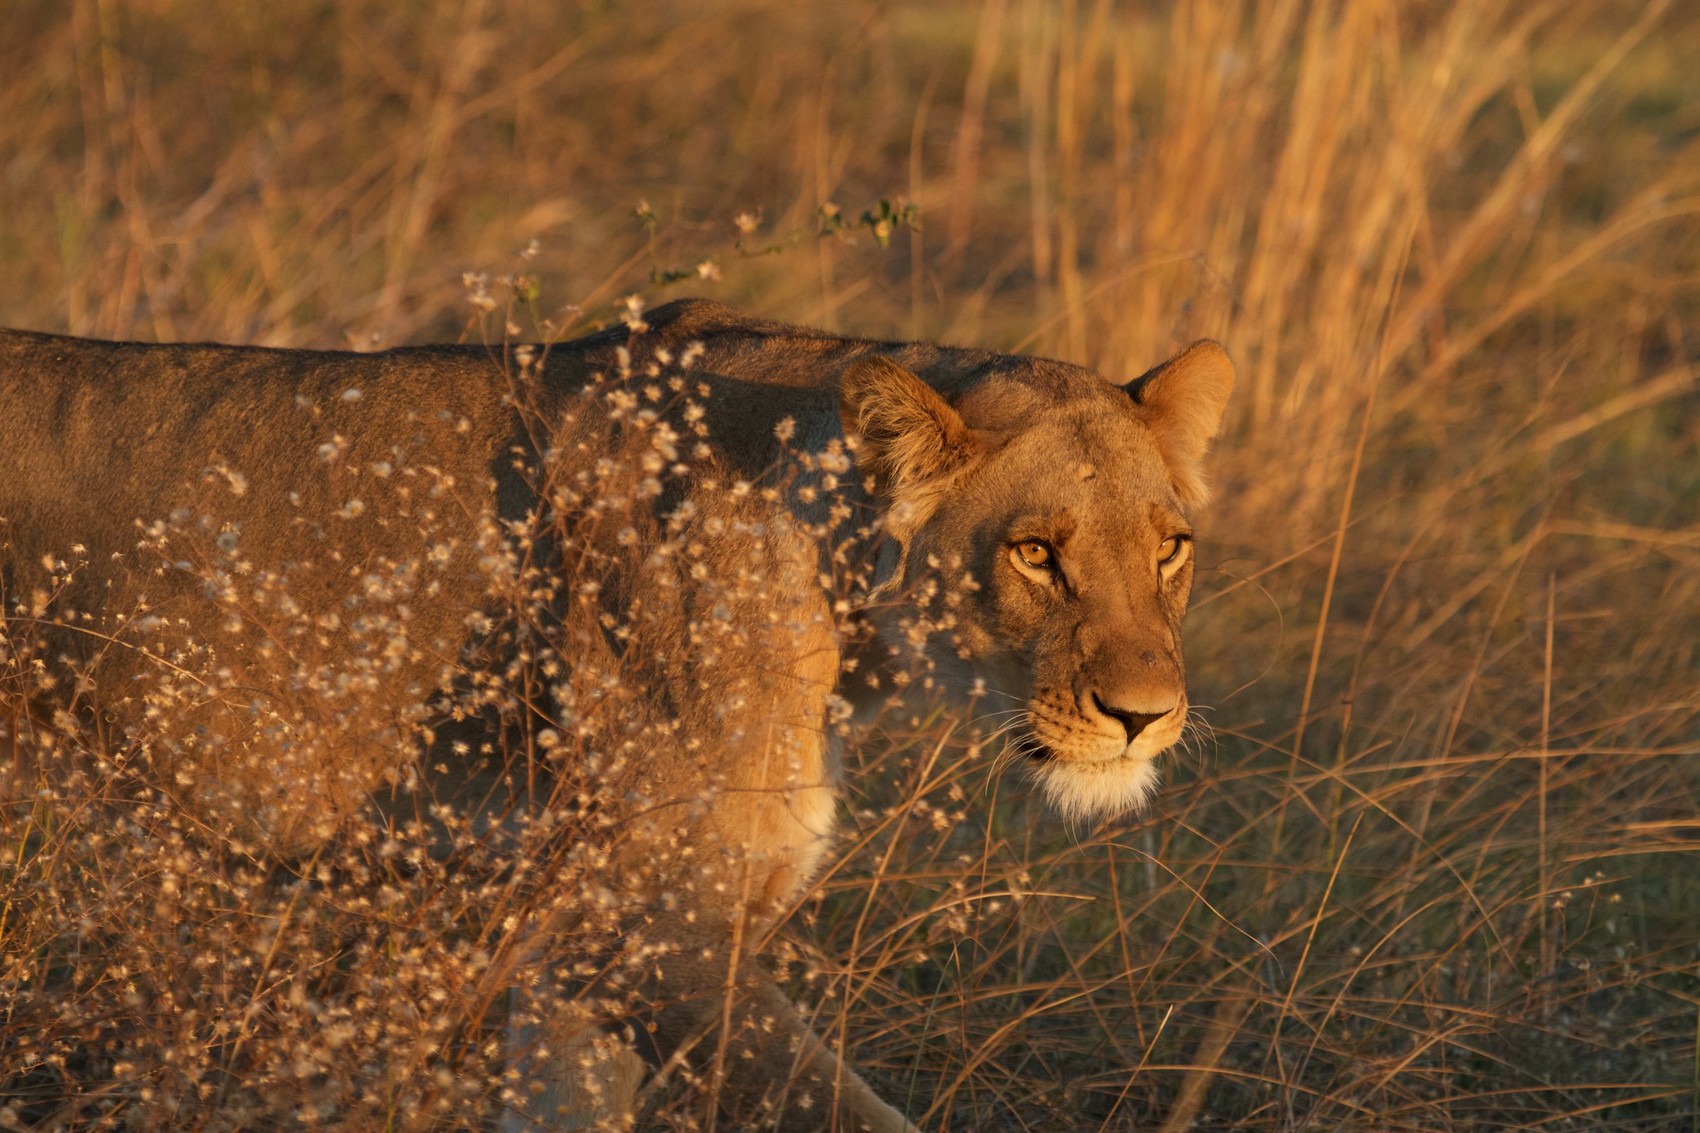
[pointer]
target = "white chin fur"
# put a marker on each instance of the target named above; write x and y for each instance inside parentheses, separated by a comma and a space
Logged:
(1081, 790)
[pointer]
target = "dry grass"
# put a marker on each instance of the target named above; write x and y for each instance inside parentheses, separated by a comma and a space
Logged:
(1437, 870)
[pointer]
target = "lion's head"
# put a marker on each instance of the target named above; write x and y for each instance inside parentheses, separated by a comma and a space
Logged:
(1042, 512)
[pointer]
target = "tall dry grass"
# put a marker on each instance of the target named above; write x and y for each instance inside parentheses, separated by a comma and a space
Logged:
(1437, 869)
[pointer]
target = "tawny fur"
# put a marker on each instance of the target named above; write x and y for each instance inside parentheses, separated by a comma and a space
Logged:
(386, 500)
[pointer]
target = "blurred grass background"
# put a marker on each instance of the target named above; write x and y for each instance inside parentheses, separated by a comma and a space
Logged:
(1439, 867)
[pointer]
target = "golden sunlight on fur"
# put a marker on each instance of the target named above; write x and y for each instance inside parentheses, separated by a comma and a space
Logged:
(612, 589)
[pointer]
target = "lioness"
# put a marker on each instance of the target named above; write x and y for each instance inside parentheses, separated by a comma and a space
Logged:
(301, 562)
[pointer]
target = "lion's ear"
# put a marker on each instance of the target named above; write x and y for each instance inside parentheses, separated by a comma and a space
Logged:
(908, 433)
(1182, 402)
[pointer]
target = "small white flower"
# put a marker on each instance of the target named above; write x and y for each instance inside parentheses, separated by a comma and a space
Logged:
(633, 315)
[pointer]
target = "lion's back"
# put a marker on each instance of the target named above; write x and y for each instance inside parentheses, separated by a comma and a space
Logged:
(270, 558)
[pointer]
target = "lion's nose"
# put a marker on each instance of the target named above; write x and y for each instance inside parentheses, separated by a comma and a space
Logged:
(1132, 722)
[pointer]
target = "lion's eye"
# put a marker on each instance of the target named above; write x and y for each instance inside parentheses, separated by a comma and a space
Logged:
(1035, 554)
(1169, 550)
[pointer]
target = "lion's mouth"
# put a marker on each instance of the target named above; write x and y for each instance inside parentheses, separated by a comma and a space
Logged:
(1083, 788)
(1030, 748)
(1040, 754)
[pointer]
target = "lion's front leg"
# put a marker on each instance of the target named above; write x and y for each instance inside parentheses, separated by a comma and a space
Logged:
(725, 815)
(765, 663)
(751, 1054)
(568, 1072)
(754, 1055)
